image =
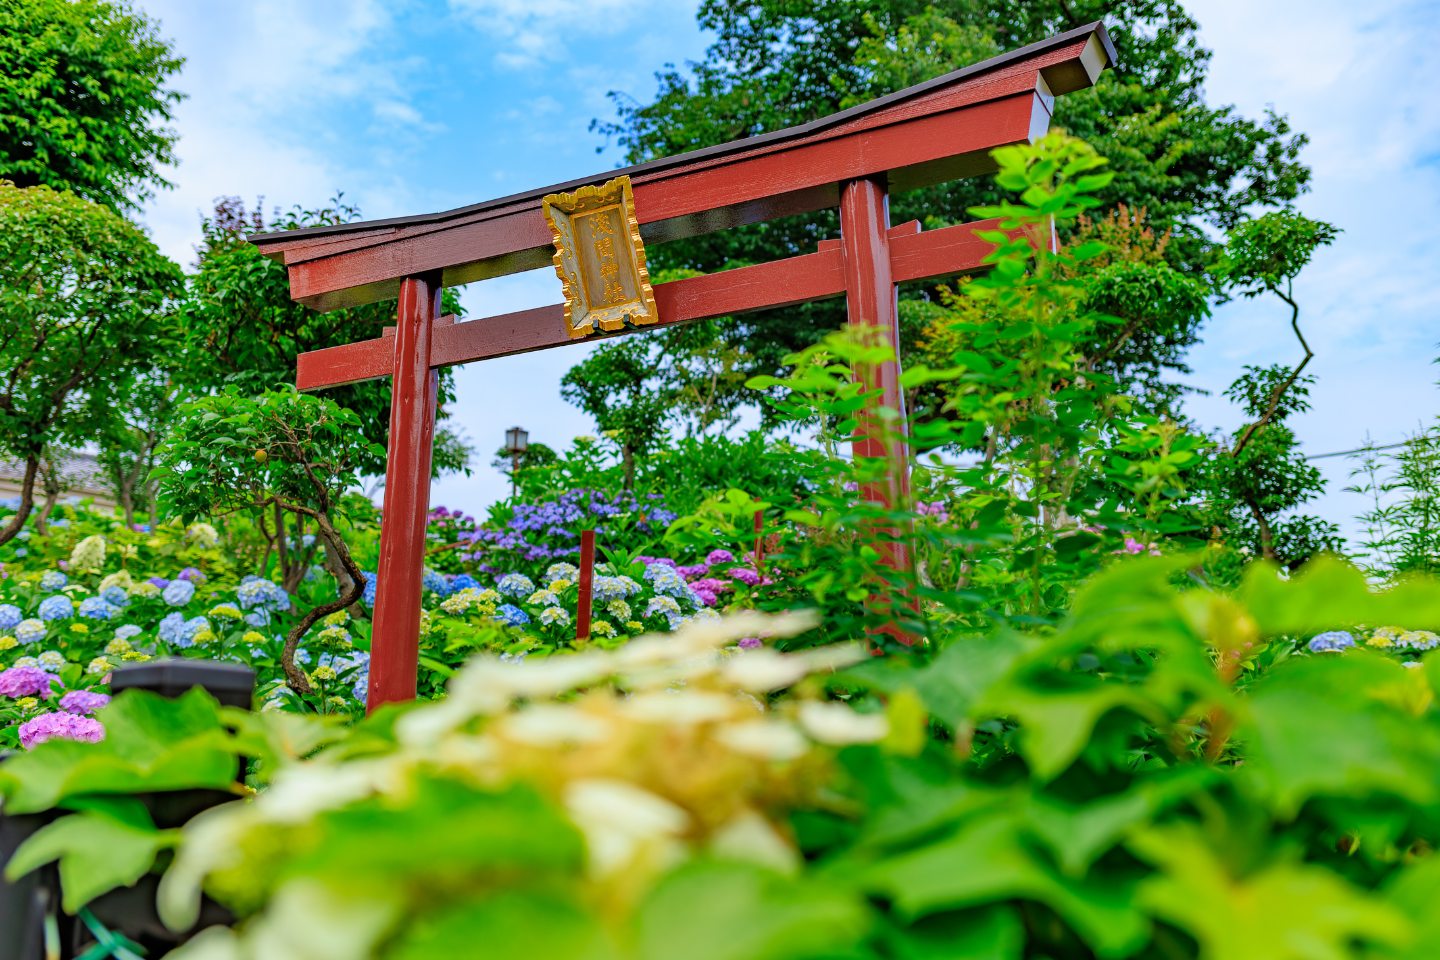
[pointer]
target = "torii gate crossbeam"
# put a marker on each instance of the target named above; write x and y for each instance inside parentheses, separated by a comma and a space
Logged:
(935, 131)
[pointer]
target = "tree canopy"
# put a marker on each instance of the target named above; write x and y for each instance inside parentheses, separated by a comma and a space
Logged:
(1189, 167)
(84, 301)
(84, 98)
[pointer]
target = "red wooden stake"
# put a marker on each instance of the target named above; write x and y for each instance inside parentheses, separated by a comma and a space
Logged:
(394, 653)
(587, 584)
(759, 542)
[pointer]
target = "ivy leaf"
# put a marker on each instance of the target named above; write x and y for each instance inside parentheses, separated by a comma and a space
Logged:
(97, 854)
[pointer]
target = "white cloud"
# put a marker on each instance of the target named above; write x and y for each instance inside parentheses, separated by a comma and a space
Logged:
(548, 31)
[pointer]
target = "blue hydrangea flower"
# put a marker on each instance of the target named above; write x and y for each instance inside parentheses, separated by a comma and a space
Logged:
(178, 593)
(1331, 642)
(51, 661)
(28, 631)
(369, 596)
(179, 632)
(116, 596)
(10, 615)
(255, 592)
(126, 631)
(515, 585)
(511, 615)
(58, 607)
(562, 571)
(463, 582)
(667, 582)
(614, 588)
(434, 582)
(53, 580)
(97, 608)
(258, 618)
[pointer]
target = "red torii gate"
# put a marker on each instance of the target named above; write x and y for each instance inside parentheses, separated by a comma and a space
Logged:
(940, 130)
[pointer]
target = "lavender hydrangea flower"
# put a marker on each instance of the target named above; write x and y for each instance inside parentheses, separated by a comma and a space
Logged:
(158, 582)
(691, 571)
(719, 556)
(749, 643)
(52, 580)
(83, 702)
(192, 575)
(25, 682)
(60, 726)
(1332, 642)
(97, 608)
(179, 593)
(10, 615)
(58, 607)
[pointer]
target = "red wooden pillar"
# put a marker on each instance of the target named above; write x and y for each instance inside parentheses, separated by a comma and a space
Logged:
(870, 298)
(395, 642)
(586, 586)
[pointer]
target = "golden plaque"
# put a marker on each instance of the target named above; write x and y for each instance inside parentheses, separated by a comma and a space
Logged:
(600, 258)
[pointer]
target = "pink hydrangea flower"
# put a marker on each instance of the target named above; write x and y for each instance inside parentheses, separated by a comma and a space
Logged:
(25, 682)
(60, 726)
(83, 702)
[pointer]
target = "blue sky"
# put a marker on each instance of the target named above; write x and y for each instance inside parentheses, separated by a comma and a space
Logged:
(419, 105)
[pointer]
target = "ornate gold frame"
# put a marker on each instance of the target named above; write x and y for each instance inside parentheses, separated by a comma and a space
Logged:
(600, 258)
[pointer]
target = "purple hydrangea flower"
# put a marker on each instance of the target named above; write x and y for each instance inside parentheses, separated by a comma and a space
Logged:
(60, 726)
(745, 575)
(25, 682)
(192, 574)
(694, 570)
(83, 702)
(749, 643)
(160, 582)
(719, 556)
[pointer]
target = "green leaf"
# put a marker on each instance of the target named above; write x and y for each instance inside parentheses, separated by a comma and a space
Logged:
(995, 933)
(151, 743)
(987, 862)
(508, 924)
(97, 854)
(1283, 911)
(739, 911)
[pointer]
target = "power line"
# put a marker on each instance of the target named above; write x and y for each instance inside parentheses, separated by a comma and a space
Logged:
(1365, 449)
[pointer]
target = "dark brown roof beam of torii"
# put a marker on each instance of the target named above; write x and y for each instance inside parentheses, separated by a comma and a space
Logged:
(940, 130)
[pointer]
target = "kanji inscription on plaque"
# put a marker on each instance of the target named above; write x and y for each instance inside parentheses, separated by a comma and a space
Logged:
(600, 258)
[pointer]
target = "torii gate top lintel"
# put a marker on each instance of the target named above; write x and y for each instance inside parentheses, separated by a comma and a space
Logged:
(903, 136)
(932, 132)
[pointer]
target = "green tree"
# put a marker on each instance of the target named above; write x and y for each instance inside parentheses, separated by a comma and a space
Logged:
(775, 63)
(1254, 487)
(620, 387)
(84, 98)
(282, 454)
(243, 330)
(84, 304)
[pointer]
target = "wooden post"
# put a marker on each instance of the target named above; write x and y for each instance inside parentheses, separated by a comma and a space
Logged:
(759, 542)
(870, 298)
(587, 585)
(395, 643)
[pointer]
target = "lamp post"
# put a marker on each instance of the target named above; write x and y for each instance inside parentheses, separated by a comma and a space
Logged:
(517, 440)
